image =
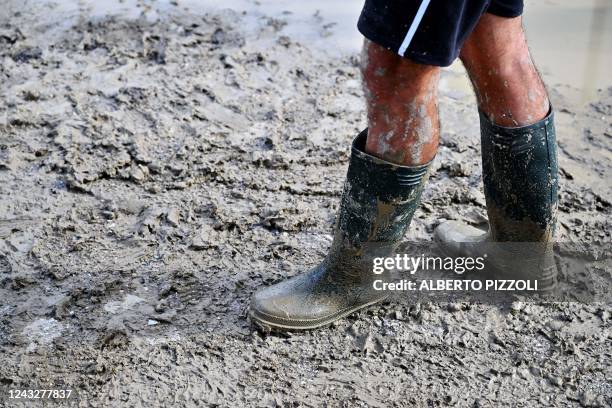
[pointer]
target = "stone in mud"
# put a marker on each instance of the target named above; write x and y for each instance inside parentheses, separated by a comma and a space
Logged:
(457, 169)
(26, 54)
(369, 344)
(132, 205)
(173, 216)
(454, 307)
(60, 308)
(138, 173)
(150, 220)
(138, 150)
(166, 317)
(205, 237)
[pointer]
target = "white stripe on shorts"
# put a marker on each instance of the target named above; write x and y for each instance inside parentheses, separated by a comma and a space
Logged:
(413, 27)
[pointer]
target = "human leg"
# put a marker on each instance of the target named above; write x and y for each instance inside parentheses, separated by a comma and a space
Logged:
(518, 154)
(387, 171)
(402, 106)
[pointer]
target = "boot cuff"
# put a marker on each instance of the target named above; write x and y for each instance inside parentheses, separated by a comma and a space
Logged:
(515, 135)
(405, 175)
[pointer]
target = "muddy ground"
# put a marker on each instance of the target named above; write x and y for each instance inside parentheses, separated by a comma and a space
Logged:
(154, 174)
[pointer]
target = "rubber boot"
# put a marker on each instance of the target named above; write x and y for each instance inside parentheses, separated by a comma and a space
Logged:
(519, 167)
(378, 202)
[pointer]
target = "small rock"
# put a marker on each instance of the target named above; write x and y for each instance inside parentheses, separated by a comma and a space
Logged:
(454, 307)
(457, 169)
(133, 205)
(517, 306)
(173, 216)
(139, 173)
(368, 344)
(523, 373)
(150, 220)
(179, 185)
(528, 309)
(205, 238)
(138, 150)
(166, 317)
(555, 325)
(61, 307)
(155, 167)
(108, 215)
(152, 322)
(154, 189)
(161, 306)
(27, 53)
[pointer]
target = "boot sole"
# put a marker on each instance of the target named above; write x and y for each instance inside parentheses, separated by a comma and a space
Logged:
(280, 323)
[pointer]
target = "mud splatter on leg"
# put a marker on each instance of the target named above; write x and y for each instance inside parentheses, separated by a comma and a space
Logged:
(402, 103)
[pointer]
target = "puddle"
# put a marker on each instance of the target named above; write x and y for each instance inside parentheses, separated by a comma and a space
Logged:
(570, 40)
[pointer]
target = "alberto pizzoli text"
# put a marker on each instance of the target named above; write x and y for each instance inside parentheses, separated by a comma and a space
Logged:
(427, 285)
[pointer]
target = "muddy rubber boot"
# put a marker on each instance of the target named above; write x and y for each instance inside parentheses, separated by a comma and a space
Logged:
(519, 167)
(378, 202)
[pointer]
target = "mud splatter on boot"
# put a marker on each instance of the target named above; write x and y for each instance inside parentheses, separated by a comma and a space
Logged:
(520, 183)
(378, 202)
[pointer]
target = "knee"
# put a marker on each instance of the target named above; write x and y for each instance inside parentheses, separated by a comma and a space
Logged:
(497, 48)
(511, 67)
(503, 62)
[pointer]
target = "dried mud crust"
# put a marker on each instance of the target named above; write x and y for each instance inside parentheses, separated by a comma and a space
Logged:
(153, 175)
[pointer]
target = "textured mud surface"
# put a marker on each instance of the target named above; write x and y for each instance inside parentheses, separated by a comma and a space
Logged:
(153, 175)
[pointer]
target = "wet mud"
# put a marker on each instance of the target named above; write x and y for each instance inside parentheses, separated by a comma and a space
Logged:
(154, 174)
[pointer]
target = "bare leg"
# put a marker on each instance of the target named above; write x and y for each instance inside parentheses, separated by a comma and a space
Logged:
(402, 104)
(508, 86)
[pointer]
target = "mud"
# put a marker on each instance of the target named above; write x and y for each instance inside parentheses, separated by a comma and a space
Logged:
(153, 174)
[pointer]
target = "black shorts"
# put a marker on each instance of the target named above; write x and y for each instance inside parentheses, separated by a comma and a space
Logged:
(428, 31)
